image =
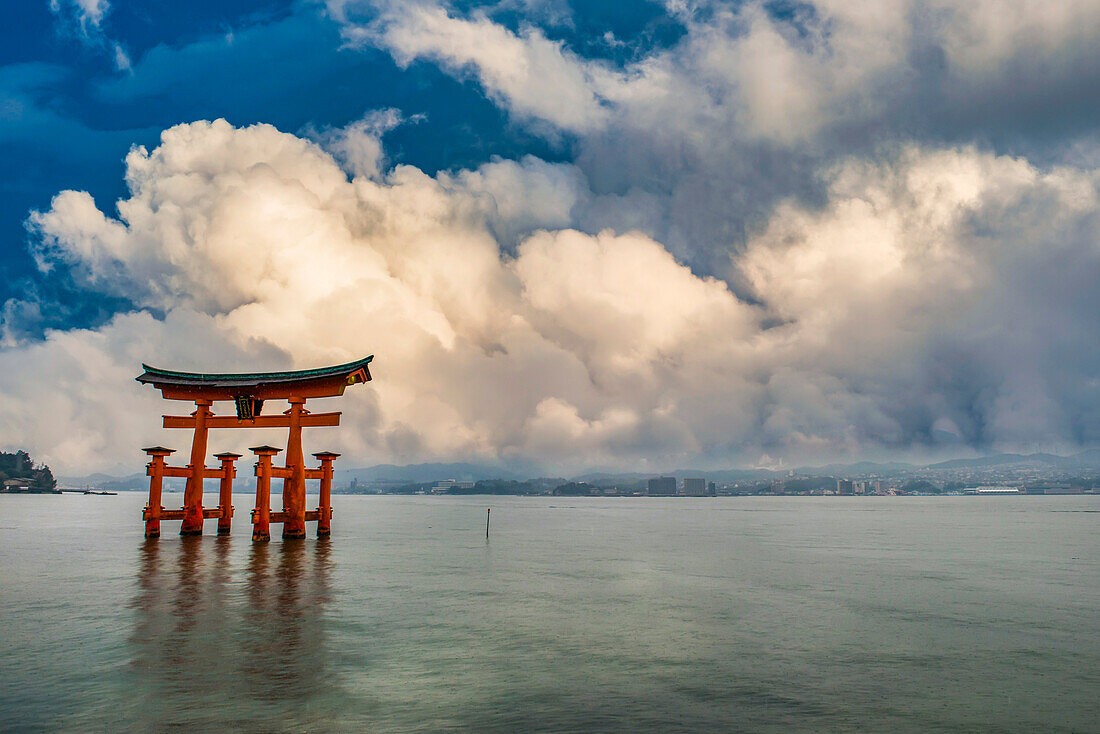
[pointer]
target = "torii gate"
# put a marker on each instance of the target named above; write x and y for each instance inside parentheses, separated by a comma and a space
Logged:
(248, 391)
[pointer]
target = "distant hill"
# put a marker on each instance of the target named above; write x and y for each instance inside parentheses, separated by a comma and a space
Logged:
(605, 477)
(1087, 459)
(716, 475)
(395, 474)
(726, 475)
(421, 473)
(382, 473)
(857, 468)
(107, 483)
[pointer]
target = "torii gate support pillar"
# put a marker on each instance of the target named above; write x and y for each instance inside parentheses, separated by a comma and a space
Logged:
(155, 469)
(261, 516)
(225, 492)
(324, 510)
(294, 486)
(192, 493)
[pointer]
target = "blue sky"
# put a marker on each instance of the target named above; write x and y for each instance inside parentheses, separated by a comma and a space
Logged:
(74, 115)
(575, 234)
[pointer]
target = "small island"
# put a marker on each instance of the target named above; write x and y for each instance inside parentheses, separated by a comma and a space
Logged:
(20, 475)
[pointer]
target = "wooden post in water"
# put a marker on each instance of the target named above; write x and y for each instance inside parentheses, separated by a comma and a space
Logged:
(155, 470)
(487, 511)
(294, 486)
(324, 509)
(192, 492)
(261, 516)
(225, 491)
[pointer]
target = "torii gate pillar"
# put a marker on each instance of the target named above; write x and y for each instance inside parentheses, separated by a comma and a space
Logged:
(192, 493)
(294, 486)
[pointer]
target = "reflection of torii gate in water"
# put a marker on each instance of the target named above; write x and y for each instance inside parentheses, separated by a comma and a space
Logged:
(248, 392)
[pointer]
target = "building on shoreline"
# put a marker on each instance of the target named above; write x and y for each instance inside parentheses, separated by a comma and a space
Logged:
(695, 487)
(987, 490)
(661, 487)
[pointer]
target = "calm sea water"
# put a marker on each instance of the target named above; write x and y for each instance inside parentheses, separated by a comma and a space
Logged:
(754, 614)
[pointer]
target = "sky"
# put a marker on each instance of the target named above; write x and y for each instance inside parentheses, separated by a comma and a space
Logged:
(620, 235)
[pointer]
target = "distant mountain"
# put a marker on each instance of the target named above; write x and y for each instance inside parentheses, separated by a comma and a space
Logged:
(395, 474)
(857, 468)
(1088, 459)
(106, 482)
(716, 475)
(603, 477)
(1001, 460)
(421, 473)
(382, 473)
(727, 475)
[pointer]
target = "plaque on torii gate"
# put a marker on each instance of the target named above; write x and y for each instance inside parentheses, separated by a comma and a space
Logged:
(248, 392)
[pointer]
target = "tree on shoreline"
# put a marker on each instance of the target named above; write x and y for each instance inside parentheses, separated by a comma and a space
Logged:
(19, 465)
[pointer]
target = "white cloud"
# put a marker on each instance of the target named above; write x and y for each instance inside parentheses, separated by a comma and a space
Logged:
(122, 59)
(746, 71)
(88, 14)
(260, 237)
(925, 284)
(358, 145)
(696, 141)
(623, 305)
(877, 296)
(919, 295)
(528, 73)
(84, 19)
(982, 35)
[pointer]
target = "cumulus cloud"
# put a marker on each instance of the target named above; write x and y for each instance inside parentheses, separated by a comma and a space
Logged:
(706, 134)
(358, 145)
(919, 296)
(781, 76)
(795, 233)
(261, 236)
(926, 282)
(529, 73)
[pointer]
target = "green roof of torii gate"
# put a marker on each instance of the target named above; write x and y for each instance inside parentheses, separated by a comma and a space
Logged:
(244, 381)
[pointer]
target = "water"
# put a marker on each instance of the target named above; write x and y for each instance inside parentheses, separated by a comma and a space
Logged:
(753, 614)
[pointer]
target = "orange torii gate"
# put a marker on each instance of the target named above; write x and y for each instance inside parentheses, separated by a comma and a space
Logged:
(248, 391)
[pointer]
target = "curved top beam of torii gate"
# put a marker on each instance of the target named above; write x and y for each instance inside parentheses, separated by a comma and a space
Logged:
(316, 383)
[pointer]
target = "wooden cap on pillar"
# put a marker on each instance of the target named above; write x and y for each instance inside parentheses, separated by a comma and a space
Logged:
(158, 451)
(227, 455)
(264, 450)
(322, 455)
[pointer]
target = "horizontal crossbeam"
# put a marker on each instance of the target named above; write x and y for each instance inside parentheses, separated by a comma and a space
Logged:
(285, 472)
(260, 421)
(281, 516)
(185, 472)
(207, 513)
